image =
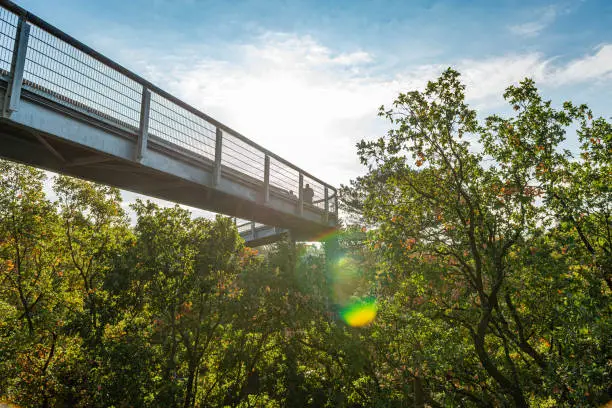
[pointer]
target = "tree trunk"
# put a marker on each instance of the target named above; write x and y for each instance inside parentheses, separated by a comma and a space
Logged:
(189, 388)
(419, 400)
(479, 344)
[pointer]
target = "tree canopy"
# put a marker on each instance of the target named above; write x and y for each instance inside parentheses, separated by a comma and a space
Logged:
(475, 270)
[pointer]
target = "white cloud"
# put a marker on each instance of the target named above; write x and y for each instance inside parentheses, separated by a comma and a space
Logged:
(289, 94)
(532, 28)
(591, 67)
(290, 50)
(487, 79)
(310, 103)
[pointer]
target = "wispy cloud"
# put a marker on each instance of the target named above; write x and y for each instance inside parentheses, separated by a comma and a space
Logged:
(288, 49)
(311, 103)
(596, 66)
(533, 28)
(486, 79)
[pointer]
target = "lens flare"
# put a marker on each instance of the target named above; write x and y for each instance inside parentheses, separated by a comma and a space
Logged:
(327, 236)
(346, 276)
(360, 313)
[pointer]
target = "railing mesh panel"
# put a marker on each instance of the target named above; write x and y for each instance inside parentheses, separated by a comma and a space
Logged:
(244, 227)
(74, 77)
(8, 30)
(177, 125)
(332, 201)
(240, 156)
(284, 180)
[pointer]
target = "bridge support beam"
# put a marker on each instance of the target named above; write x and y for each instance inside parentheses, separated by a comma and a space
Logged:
(336, 206)
(301, 196)
(48, 146)
(326, 216)
(13, 95)
(218, 157)
(143, 130)
(266, 179)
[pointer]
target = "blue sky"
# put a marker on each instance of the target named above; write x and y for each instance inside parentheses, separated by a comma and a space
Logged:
(305, 78)
(412, 31)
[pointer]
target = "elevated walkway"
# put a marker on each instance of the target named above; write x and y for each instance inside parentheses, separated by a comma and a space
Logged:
(255, 234)
(71, 110)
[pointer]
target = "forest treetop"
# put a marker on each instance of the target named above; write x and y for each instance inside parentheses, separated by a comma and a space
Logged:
(486, 246)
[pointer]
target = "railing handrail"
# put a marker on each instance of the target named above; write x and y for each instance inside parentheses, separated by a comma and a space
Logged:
(51, 29)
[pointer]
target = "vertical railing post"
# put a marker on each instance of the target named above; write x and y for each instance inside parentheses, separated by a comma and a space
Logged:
(326, 205)
(143, 129)
(253, 230)
(336, 205)
(13, 93)
(301, 196)
(266, 179)
(218, 156)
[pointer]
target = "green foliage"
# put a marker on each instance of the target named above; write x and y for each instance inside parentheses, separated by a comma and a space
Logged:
(470, 220)
(486, 247)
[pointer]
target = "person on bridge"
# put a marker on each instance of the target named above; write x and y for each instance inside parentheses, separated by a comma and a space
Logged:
(308, 194)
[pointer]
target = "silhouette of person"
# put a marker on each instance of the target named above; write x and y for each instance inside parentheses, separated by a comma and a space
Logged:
(308, 194)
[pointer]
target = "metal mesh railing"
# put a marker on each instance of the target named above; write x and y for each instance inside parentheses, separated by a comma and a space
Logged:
(177, 125)
(284, 180)
(333, 202)
(242, 157)
(77, 78)
(70, 73)
(245, 227)
(8, 29)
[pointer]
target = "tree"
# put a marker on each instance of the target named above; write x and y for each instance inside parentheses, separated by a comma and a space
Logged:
(32, 291)
(94, 227)
(451, 213)
(576, 190)
(189, 266)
